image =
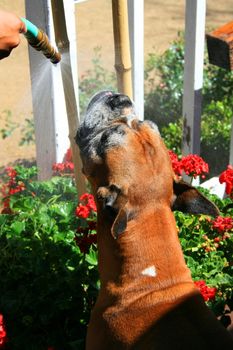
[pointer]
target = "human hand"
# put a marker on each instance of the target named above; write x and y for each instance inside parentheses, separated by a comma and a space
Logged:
(10, 28)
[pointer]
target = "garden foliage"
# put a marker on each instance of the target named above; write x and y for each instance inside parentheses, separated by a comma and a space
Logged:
(47, 285)
(163, 104)
(48, 262)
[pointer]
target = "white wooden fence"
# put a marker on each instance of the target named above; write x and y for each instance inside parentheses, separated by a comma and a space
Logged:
(51, 128)
(193, 74)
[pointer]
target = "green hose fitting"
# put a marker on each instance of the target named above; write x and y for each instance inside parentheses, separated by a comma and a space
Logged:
(40, 41)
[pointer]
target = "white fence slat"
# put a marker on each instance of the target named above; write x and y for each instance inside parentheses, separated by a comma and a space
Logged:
(49, 111)
(136, 31)
(193, 74)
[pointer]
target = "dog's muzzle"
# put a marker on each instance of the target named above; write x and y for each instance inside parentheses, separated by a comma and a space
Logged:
(99, 96)
(103, 110)
(115, 101)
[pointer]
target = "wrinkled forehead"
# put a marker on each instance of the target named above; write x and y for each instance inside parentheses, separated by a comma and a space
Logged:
(134, 141)
(129, 133)
(125, 144)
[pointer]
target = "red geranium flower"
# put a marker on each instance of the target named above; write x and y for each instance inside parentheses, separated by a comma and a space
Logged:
(61, 168)
(18, 188)
(86, 206)
(91, 203)
(208, 293)
(11, 172)
(82, 211)
(193, 165)
(58, 167)
(222, 224)
(69, 166)
(227, 177)
(11, 187)
(2, 332)
(88, 200)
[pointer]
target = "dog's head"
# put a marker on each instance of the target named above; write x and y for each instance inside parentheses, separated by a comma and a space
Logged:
(128, 164)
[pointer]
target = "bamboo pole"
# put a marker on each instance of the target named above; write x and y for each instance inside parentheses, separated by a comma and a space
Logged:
(63, 45)
(122, 47)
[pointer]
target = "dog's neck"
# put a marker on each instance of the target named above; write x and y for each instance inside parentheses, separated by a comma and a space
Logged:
(143, 272)
(146, 258)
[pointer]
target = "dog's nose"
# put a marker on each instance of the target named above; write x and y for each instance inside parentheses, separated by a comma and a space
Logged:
(98, 96)
(119, 101)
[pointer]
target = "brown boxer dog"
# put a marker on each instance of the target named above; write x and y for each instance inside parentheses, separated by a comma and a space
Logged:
(147, 298)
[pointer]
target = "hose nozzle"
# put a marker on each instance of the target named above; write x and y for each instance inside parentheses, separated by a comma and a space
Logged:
(40, 41)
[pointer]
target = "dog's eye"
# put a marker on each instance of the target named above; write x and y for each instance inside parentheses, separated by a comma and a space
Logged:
(110, 138)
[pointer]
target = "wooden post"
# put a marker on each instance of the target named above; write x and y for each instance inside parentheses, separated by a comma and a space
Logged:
(63, 45)
(136, 32)
(122, 47)
(220, 46)
(51, 128)
(193, 74)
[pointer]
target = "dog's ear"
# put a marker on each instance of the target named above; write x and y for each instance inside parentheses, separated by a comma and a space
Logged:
(120, 223)
(189, 200)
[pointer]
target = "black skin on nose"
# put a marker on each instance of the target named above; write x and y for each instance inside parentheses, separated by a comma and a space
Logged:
(118, 101)
(99, 96)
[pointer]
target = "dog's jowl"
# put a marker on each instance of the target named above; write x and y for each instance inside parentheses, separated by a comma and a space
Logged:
(147, 298)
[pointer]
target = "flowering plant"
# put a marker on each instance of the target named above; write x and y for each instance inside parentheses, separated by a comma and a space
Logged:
(207, 245)
(86, 232)
(41, 255)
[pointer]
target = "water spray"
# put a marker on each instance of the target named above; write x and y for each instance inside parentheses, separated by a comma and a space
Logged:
(40, 41)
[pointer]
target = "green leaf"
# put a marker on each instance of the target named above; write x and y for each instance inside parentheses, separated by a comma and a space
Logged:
(3, 219)
(63, 209)
(67, 236)
(18, 227)
(91, 257)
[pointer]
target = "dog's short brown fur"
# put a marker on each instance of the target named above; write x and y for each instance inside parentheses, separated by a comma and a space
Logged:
(147, 299)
